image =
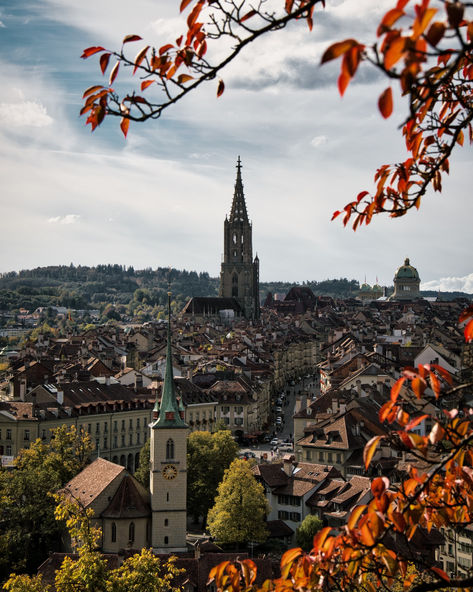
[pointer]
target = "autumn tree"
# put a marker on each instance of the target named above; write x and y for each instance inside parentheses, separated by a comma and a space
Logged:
(89, 571)
(208, 456)
(240, 510)
(28, 528)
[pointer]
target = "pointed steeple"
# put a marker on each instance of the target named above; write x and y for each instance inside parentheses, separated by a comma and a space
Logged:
(238, 212)
(168, 413)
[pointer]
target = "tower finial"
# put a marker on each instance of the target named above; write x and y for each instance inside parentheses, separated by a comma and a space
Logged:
(238, 166)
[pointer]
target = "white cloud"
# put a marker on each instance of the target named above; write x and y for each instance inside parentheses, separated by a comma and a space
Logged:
(451, 284)
(25, 114)
(67, 219)
(318, 141)
(2, 25)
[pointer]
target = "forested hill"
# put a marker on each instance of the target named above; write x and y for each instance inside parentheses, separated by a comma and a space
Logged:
(84, 287)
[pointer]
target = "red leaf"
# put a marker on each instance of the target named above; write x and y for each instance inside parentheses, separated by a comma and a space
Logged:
(379, 486)
(104, 59)
(396, 388)
(130, 38)
(140, 56)
(436, 33)
(220, 88)
(469, 331)
(146, 83)
(90, 51)
(184, 5)
(113, 73)
(337, 49)
(385, 103)
(418, 385)
(440, 573)
(288, 6)
(91, 90)
(335, 214)
(184, 78)
(369, 450)
(414, 422)
(165, 48)
(466, 314)
(248, 15)
(124, 125)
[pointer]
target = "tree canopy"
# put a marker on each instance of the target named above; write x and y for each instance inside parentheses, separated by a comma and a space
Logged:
(208, 456)
(29, 531)
(240, 509)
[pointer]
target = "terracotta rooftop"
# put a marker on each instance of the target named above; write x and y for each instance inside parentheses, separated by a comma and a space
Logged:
(89, 483)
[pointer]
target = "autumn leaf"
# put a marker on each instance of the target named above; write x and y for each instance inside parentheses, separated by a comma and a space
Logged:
(220, 88)
(248, 15)
(370, 449)
(146, 83)
(104, 59)
(91, 51)
(385, 103)
(113, 73)
(130, 38)
(91, 90)
(337, 49)
(124, 125)
(140, 56)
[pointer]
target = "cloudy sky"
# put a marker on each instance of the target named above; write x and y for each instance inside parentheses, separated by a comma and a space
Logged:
(159, 198)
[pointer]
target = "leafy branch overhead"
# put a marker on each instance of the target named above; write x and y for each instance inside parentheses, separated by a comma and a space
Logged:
(423, 48)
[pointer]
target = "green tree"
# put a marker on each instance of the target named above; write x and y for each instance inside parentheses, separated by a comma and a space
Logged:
(29, 531)
(208, 456)
(307, 530)
(89, 572)
(240, 510)
(142, 472)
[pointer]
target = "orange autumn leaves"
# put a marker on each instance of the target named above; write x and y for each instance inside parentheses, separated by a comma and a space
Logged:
(436, 78)
(365, 551)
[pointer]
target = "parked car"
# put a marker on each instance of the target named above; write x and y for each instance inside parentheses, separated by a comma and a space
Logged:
(274, 442)
(286, 447)
(278, 409)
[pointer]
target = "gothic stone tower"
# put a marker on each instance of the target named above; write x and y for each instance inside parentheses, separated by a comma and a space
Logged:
(168, 466)
(239, 275)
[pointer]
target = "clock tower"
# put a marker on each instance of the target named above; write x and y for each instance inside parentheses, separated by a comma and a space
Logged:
(168, 470)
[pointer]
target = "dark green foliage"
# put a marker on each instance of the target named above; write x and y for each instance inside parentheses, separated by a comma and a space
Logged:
(28, 529)
(142, 472)
(208, 455)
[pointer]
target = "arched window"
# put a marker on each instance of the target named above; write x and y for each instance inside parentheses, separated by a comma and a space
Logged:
(114, 532)
(234, 238)
(235, 285)
(166, 522)
(166, 540)
(170, 449)
(131, 532)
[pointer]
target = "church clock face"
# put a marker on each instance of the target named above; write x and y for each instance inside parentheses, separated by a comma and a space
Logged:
(169, 472)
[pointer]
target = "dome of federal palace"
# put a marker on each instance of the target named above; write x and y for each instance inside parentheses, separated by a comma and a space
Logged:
(406, 271)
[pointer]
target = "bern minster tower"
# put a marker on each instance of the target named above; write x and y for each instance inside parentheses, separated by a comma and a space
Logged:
(239, 275)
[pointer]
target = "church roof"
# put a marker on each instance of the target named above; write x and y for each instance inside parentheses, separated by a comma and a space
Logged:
(91, 482)
(238, 212)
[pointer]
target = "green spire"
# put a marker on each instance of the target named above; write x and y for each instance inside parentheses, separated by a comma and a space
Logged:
(168, 414)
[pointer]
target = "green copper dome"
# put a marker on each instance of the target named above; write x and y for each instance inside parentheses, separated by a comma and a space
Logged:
(406, 271)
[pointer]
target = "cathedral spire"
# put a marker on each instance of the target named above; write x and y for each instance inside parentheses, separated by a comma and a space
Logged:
(238, 212)
(169, 413)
